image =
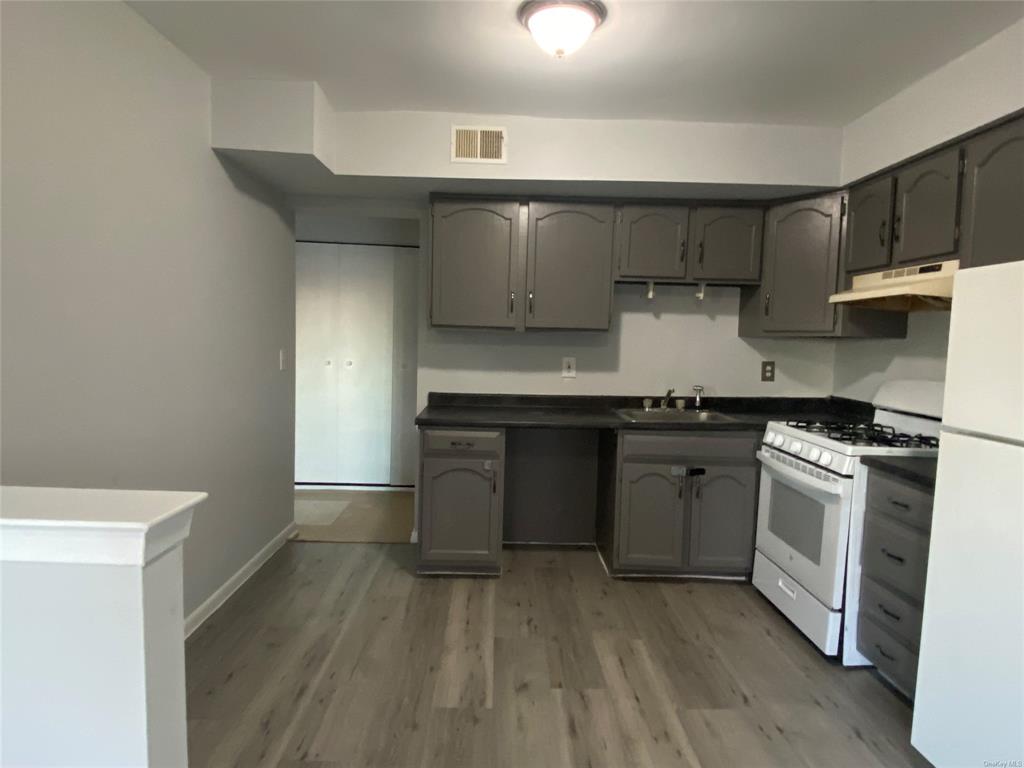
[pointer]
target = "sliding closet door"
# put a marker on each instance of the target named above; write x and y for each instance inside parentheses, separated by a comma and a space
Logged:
(345, 326)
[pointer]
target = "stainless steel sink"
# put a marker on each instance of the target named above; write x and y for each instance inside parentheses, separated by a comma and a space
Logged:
(671, 416)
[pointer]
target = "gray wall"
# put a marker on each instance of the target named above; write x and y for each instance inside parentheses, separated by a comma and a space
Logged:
(146, 287)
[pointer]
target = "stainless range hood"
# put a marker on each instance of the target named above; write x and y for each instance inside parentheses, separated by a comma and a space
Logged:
(906, 289)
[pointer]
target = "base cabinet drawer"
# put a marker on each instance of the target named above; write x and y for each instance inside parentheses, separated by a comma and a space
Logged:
(898, 615)
(895, 555)
(903, 501)
(892, 658)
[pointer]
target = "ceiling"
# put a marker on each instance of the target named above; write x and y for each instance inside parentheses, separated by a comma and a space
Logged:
(809, 63)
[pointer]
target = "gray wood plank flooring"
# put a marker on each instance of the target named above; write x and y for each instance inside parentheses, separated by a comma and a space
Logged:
(338, 655)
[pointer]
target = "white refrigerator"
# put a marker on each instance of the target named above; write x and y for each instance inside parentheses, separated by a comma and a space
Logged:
(969, 708)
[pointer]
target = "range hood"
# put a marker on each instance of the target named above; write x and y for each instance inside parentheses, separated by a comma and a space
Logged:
(906, 289)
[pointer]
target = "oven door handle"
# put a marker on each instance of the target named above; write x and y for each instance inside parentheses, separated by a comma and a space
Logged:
(797, 479)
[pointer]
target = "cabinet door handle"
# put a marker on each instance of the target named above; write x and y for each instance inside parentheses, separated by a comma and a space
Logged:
(700, 488)
(679, 486)
(529, 301)
(682, 254)
(900, 504)
(767, 302)
(891, 556)
(700, 254)
(881, 232)
(881, 650)
(887, 612)
(897, 225)
(494, 481)
(512, 303)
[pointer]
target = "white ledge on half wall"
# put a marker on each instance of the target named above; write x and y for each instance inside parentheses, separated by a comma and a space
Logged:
(93, 665)
(86, 525)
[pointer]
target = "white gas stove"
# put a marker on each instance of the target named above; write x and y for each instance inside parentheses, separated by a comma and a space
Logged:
(811, 508)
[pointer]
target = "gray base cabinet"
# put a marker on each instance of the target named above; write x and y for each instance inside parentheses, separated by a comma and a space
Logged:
(992, 224)
(685, 503)
(651, 514)
(894, 562)
(461, 494)
(722, 518)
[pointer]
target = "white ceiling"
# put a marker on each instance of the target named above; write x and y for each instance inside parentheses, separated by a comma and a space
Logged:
(813, 63)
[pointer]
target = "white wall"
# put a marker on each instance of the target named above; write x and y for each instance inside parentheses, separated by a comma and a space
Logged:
(673, 341)
(861, 365)
(146, 288)
(980, 86)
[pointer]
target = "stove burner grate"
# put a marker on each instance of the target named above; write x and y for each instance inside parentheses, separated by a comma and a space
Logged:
(865, 434)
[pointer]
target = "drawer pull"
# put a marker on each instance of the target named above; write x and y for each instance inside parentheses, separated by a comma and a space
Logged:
(462, 444)
(887, 612)
(885, 655)
(900, 504)
(790, 592)
(891, 556)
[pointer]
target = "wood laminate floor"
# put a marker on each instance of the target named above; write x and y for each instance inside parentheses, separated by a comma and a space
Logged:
(337, 655)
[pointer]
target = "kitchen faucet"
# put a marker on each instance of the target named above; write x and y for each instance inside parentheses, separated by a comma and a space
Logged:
(668, 396)
(697, 392)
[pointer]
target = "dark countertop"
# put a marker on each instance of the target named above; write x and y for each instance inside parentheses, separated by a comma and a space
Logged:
(919, 470)
(598, 412)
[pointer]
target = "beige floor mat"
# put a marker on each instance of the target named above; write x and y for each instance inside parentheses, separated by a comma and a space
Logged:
(354, 516)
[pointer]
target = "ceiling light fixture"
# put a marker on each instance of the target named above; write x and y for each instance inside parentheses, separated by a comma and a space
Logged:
(561, 27)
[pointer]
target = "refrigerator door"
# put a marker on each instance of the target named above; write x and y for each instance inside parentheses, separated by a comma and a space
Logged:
(969, 706)
(985, 368)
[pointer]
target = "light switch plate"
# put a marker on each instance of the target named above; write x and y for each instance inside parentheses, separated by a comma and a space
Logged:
(767, 370)
(568, 367)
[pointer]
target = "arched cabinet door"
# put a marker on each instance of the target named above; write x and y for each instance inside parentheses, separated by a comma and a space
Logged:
(992, 218)
(868, 236)
(927, 200)
(650, 242)
(725, 245)
(722, 516)
(474, 264)
(569, 266)
(651, 503)
(801, 262)
(461, 511)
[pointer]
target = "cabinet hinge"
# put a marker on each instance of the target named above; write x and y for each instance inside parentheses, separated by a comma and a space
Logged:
(842, 207)
(963, 163)
(956, 234)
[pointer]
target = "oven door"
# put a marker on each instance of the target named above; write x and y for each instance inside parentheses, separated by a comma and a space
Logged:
(803, 524)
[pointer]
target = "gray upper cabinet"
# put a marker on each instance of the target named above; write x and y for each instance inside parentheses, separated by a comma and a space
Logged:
(869, 225)
(801, 260)
(722, 515)
(475, 264)
(569, 266)
(927, 206)
(725, 245)
(992, 217)
(650, 519)
(650, 242)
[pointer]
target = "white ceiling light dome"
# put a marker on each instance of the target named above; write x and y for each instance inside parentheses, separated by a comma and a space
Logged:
(561, 27)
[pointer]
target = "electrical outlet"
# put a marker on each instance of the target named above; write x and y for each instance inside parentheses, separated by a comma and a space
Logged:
(568, 367)
(767, 370)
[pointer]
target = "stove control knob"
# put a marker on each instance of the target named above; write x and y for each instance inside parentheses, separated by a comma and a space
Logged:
(779, 440)
(815, 454)
(769, 437)
(826, 459)
(795, 446)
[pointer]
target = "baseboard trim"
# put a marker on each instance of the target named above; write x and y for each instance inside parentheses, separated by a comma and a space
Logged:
(195, 619)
